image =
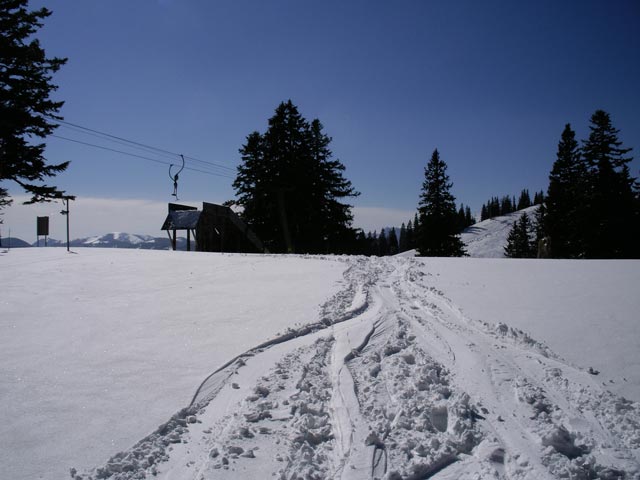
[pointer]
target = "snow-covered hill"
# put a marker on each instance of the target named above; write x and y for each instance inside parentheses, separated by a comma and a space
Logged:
(408, 368)
(488, 238)
(13, 242)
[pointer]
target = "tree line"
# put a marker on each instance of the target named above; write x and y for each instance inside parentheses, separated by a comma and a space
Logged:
(498, 206)
(293, 193)
(390, 242)
(592, 206)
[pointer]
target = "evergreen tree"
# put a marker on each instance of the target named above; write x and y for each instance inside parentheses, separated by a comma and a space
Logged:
(566, 200)
(411, 242)
(611, 208)
(484, 213)
(371, 245)
(383, 244)
(438, 229)
(494, 208)
(461, 219)
(524, 201)
(393, 242)
(506, 205)
(520, 241)
(538, 198)
(291, 188)
(26, 108)
(469, 220)
(541, 240)
(465, 219)
(402, 241)
(361, 243)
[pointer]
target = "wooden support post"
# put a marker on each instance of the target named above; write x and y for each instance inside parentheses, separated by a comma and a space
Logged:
(188, 240)
(173, 240)
(222, 235)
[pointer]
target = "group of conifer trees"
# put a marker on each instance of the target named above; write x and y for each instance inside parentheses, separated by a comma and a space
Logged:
(387, 242)
(291, 192)
(524, 238)
(290, 188)
(498, 206)
(390, 241)
(592, 207)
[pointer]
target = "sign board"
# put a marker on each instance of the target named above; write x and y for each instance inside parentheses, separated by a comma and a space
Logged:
(43, 226)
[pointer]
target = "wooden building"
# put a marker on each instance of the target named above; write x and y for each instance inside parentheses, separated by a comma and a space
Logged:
(215, 228)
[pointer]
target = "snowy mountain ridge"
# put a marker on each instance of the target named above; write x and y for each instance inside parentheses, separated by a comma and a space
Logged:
(108, 240)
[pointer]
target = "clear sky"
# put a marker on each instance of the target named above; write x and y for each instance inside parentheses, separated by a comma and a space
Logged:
(490, 84)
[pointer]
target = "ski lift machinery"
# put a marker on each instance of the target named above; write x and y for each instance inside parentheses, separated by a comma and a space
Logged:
(175, 177)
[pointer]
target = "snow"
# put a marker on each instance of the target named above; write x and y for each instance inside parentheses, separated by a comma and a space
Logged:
(98, 348)
(585, 310)
(394, 368)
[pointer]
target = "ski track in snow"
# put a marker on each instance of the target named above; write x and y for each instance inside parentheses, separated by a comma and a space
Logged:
(394, 382)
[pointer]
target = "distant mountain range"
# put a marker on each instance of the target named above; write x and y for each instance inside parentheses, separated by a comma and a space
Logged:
(109, 240)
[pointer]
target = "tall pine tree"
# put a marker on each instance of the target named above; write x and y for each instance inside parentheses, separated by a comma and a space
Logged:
(402, 240)
(25, 104)
(291, 189)
(438, 219)
(566, 202)
(383, 244)
(612, 215)
(393, 241)
(524, 201)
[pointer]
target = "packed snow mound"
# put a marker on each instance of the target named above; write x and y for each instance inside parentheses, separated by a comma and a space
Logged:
(488, 238)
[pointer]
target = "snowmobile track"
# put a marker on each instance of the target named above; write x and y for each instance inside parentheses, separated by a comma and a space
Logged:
(393, 382)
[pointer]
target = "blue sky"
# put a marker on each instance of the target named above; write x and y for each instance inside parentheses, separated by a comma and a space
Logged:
(490, 84)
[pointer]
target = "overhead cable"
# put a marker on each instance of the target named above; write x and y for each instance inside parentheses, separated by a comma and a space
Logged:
(138, 156)
(139, 144)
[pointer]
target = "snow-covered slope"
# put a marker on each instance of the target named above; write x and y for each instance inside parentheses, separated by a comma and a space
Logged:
(410, 368)
(488, 238)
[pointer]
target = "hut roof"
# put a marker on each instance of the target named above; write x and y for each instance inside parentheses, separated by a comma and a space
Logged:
(181, 220)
